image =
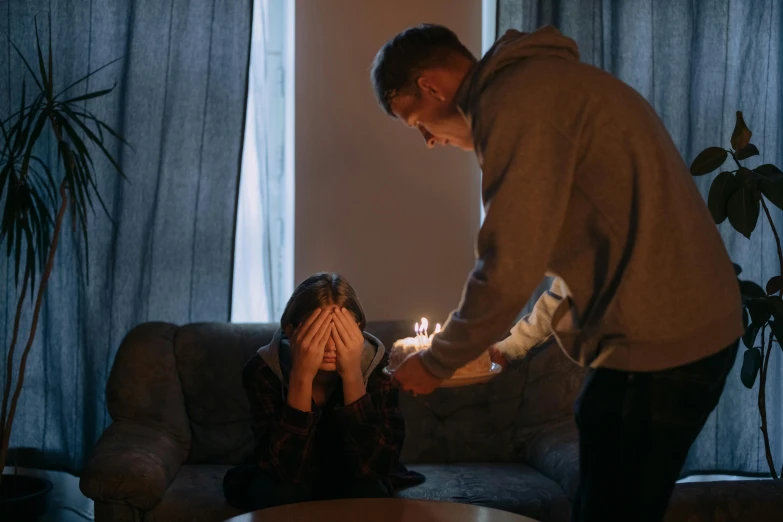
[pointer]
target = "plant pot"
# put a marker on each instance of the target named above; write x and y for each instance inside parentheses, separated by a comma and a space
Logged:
(23, 498)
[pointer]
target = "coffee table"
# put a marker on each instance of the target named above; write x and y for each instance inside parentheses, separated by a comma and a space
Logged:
(380, 510)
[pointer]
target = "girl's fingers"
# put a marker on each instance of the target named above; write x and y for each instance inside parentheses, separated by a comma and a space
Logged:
(324, 332)
(315, 329)
(338, 341)
(310, 320)
(341, 327)
(350, 325)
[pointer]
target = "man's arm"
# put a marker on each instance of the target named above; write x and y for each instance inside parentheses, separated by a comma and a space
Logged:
(528, 165)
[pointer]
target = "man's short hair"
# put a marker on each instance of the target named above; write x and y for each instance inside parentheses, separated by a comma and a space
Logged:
(400, 59)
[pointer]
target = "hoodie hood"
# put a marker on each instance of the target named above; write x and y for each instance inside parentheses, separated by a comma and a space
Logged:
(513, 46)
(277, 355)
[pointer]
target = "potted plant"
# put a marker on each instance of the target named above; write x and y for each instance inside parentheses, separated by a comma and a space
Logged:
(35, 204)
(739, 194)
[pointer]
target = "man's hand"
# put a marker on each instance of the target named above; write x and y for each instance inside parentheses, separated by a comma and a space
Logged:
(497, 357)
(414, 377)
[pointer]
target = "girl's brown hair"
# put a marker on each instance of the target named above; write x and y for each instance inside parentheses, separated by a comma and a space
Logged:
(321, 290)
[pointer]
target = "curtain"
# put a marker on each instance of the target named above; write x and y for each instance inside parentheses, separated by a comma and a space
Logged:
(168, 254)
(263, 262)
(697, 62)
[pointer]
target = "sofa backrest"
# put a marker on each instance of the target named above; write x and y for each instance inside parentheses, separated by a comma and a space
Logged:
(486, 423)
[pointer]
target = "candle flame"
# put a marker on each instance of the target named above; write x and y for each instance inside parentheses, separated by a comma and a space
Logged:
(437, 328)
(424, 325)
(416, 328)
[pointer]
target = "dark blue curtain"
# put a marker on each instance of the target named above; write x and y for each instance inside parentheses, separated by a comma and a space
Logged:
(697, 62)
(180, 102)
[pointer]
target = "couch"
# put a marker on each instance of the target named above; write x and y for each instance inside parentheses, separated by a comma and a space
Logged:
(181, 419)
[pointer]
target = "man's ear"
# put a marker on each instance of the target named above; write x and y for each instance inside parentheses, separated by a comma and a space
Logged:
(430, 87)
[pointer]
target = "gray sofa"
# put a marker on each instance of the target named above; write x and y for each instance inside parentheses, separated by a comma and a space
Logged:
(181, 420)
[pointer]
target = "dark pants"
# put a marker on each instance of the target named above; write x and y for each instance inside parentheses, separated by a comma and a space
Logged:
(249, 488)
(635, 430)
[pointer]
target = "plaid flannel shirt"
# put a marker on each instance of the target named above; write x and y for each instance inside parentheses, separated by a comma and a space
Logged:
(371, 429)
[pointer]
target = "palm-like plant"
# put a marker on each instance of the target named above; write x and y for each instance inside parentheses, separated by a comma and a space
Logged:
(32, 216)
(739, 195)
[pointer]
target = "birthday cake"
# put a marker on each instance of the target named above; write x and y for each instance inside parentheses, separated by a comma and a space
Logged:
(402, 348)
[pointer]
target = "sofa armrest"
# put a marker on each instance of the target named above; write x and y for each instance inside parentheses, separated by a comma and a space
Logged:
(132, 463)
(553, 449)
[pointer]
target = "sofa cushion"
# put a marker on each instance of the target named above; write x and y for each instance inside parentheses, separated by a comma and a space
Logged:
(196, 495)
(144, 387)
(210, 358)
(511, 487)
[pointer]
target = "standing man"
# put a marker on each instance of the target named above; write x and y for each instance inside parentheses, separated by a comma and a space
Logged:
(581, 181)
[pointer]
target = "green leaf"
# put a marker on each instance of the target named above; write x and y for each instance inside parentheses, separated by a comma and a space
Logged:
(774, 285)
(19, 138)
(101, 125)
(745, 320)
(90, 95)
(723, 187)
(749, 337)
(749, 289)
(708, 160)
(770, 171)
(751, 363)
(17, 249)
(743, 210)
(30, 257)
(94, 139)
(772, 190)
(47, 81)
(748, 151)
(34, 135)
(83, 78)
(777, 330)
(51, 69)
(28, 66)
(49, 184)
(76, 140)
(760, 309)
(777, 306)
(741, 135)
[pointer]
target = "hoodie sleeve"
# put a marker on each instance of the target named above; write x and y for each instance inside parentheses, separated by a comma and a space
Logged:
(528, 166)
(374, 428)
(535, 327)
(283, 435)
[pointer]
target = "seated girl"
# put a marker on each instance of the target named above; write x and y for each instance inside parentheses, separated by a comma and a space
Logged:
(326, 419)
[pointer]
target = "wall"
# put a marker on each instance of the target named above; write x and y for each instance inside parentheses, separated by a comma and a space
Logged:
(398, 220)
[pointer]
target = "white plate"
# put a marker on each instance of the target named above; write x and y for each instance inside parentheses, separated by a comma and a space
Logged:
(464, 380)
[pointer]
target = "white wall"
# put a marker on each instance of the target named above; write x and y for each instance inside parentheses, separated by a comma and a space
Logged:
(398, 220)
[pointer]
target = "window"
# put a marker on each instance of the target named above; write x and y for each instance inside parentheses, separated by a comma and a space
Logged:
(264, 246)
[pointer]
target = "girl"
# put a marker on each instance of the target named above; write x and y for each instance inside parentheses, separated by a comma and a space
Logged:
(326, 419)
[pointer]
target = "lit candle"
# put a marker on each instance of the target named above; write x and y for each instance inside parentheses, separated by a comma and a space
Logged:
(437, 330)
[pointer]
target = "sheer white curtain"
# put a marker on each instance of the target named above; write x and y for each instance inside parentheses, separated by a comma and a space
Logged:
(263, 250)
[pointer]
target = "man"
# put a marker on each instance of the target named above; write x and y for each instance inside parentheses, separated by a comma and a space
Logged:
(580, 181)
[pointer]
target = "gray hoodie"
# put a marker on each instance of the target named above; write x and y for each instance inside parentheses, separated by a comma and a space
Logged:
(277, 355)
(582, 181)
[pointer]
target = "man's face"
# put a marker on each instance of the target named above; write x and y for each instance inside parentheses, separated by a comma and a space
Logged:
(433, 112)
